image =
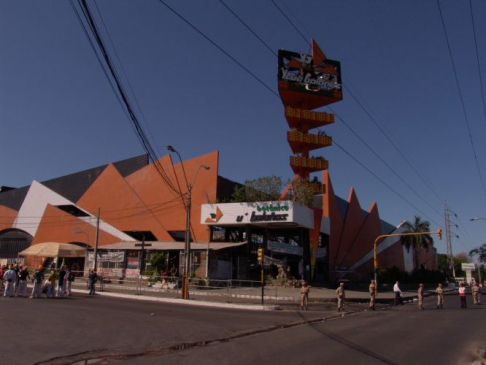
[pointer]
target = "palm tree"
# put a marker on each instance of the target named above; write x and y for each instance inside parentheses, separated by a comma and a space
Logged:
(418, 242)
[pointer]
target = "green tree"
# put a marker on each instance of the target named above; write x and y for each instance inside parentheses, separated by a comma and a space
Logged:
(480, 252)
(419, 241)
(302, 192)
(158, 261)
(261, 189)
(460, 258)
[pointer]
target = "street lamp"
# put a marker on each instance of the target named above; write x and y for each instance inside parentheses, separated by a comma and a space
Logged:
(479, 265)
(187, 236)
(476, 219)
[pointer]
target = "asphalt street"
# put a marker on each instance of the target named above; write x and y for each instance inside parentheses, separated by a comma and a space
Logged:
(105, 330)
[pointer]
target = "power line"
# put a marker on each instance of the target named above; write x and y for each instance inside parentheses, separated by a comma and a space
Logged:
(274, 93)
(477, 59)
(219, 48)
(466, 119)
(356, 134)
(122, 93)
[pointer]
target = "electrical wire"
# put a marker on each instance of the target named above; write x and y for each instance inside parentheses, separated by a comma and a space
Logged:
(477, 59)
(466, 119)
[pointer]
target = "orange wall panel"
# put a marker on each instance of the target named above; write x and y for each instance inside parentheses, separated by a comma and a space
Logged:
(59, 226)
(120, 205)
(7, 217)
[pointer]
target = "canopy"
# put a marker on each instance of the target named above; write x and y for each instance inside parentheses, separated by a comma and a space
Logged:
(54, 249)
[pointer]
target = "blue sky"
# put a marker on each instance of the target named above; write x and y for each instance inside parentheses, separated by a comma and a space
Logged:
(59, 115)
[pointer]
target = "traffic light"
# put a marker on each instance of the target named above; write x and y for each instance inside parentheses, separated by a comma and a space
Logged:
(260, 255)
(439, 233)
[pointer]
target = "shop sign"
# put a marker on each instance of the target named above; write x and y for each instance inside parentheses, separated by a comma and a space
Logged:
(255, 213)
(468, 266)
(285, 248)
(107, 256)
(132, 263)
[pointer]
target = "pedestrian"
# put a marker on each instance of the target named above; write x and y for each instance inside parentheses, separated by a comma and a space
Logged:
(16, 269)
(372, 290)
(37, 280)
(480, 289)
(398, 294)
(440, 296)
(70, 279)
(93, 277)
(66, 277)
(51, 283)
(60, 283)
(304, 296)
(420, 295)
(9, 277)
(475, 293)
(462, 295)
(341, 295)
(22, 286)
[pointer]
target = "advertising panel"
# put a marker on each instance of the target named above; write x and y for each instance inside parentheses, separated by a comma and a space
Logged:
(302, 82)
(272, 212)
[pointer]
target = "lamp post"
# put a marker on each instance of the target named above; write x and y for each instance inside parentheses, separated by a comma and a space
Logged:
(187, 236)
(479, 254)
(142, 252)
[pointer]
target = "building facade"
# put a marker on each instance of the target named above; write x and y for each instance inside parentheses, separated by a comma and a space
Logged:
(119, 205)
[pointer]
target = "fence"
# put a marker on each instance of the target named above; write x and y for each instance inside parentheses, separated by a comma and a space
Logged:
(230, 291)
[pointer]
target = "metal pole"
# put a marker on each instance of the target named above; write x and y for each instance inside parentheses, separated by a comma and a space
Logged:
(263, 282)
(95, 261)
(187, 246)
(142, 258)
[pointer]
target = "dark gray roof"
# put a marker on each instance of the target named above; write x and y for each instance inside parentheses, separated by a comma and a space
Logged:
(14, 198)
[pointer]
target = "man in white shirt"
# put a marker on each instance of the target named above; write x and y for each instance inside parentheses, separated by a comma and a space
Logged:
(398, 294)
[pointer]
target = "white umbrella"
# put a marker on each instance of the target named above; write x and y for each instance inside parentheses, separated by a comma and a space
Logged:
(54, 249)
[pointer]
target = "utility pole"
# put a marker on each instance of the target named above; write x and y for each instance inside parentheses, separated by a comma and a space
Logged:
(95, 261)
(448, 239)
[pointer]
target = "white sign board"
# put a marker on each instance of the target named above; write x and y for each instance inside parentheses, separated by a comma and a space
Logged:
(258, 213)
(468, 266)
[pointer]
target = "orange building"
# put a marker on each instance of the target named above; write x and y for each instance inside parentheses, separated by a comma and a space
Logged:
(133, 200)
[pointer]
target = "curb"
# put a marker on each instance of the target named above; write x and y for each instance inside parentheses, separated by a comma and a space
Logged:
(185, 302)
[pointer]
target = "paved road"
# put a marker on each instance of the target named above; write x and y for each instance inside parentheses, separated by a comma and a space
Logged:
(66, 330)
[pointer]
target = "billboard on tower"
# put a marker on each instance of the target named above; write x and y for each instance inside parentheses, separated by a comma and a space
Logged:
(309, 81)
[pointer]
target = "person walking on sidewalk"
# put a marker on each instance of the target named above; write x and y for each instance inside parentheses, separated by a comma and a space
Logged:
(462, 295)
(475, 293)
(372, 290)
(341, 295)
(22, 287)
(93, 278)
(51, 283)
(304, 296)
(420, 295)
(70, 279)
(37, 280)
(398, 294)
(440, 297)
(9, 276)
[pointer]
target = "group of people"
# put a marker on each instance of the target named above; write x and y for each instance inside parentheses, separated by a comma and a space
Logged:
(398, 299)
(52, 282)
(475, 290)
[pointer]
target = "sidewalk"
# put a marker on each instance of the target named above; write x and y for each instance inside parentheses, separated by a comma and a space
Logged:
(275, 297)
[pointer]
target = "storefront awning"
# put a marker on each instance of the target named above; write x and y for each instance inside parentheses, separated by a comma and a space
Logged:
(170, 246)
